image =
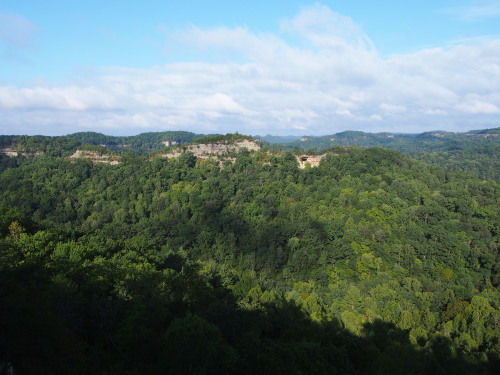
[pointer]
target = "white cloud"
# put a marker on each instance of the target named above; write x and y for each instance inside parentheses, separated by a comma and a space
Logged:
(430, 111)
(16, 30)
(392, 108)
(343, 112)
(321, 76)
(474, 104)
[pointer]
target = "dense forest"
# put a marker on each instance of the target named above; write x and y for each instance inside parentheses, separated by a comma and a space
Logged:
(143, 144)
(371, 263)
(476, 152)
(408, 143)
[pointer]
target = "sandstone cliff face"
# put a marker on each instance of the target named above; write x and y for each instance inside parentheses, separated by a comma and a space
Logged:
(169, 143)
(223, 150)
(312, 160)
(211, 150)
(9, 152)
(96, 157)
(13, 152)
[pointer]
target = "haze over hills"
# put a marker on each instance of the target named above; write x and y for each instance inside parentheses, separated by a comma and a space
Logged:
(278, 139)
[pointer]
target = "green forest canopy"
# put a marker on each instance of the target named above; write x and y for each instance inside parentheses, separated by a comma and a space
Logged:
(372, 262)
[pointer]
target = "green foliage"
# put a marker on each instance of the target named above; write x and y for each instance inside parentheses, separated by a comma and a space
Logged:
(30, 146)
(100, 150)
(194, 346)
(144, 143)
(370, 263)
(229, 138)
(475, 152)
(482, 161)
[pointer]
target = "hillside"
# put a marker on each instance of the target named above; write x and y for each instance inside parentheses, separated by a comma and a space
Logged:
(144, 143)
(219, 149)
(96, 154)
(475, 152)
(408, 143)
(371, 262)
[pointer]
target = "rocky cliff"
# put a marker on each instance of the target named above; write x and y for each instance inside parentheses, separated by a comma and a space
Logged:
(96, 157)
(13, 152)
(212, 150)
(312, 160)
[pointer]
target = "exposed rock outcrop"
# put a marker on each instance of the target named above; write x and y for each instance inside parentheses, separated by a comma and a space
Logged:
(96, 157)
(9, 152)
(312, 160)
(213, 150)
(169, 143)
(13, 152)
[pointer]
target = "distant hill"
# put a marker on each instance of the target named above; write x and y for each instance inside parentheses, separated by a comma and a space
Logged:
(144, 143)
(476, 152)
(278, 138)
(366, 262)
(408, 143)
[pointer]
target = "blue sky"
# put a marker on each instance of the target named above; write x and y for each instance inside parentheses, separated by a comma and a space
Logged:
(279, 67)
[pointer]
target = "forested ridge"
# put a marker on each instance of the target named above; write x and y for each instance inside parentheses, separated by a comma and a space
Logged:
(436, 141)
(144, 143)
(371, 263)
(476, 152)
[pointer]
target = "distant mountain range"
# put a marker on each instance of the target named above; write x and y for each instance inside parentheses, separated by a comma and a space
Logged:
(476, 152)
(408, 143)
(278, 138)
(146, 143)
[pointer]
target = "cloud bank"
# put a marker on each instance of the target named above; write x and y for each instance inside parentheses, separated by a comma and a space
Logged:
(321, 74)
